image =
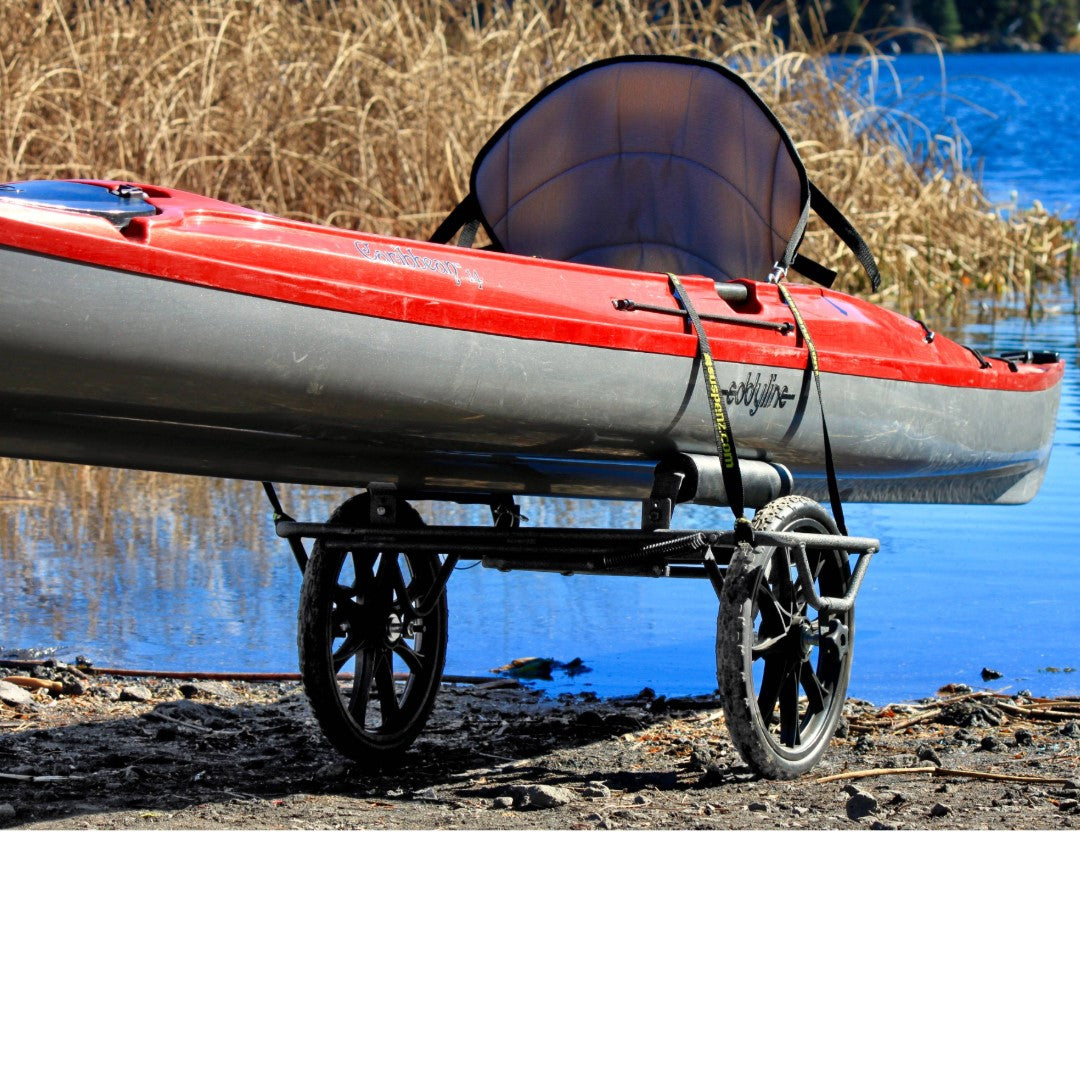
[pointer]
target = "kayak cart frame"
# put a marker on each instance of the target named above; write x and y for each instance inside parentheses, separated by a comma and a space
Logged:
(372, 624)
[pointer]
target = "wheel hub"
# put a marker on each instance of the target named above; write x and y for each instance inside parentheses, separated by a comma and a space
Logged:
(804, 636)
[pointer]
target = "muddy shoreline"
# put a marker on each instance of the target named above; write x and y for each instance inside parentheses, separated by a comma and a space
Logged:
(93, 751)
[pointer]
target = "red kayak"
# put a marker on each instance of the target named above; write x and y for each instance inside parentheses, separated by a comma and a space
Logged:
(157, 329)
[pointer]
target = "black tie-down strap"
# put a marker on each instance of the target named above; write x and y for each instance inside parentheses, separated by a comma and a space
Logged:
(725, 440)
(812, 359)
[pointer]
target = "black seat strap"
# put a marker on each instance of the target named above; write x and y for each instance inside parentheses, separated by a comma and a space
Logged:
(835, 219)
(813, 271)
(466, 217)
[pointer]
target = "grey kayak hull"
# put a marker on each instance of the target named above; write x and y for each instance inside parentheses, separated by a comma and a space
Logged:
(106, 367)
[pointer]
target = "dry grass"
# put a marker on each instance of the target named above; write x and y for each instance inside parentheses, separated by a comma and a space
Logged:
(368, 114)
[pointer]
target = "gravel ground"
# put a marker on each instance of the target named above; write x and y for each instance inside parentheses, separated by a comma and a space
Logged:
(90, 751)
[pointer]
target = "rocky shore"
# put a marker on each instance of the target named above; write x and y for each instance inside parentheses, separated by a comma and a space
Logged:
(85, 750)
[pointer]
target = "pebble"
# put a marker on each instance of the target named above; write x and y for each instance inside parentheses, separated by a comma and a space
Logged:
(538, 796)
(861, 804)
(701, 755)
(1023, 737)
(1067, 805)
(502, 802)
(13, 695)
(965, 714)
(991, 743)
(72, 684)
(1071, 728)
(7, 812)
(715, 773)
(204, 689)
(925, 752)
(597, 791)
(135, 692)
(758, 808)
(940, 810)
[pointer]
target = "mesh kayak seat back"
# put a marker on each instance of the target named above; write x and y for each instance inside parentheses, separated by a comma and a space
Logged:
(663, 164)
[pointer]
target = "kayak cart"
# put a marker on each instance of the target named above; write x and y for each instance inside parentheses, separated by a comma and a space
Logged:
(373, 610)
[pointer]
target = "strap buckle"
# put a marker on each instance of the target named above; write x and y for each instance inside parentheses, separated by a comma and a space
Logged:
(777, 274)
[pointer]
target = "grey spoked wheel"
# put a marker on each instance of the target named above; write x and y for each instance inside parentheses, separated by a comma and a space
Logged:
(783, 666)
(371, 657)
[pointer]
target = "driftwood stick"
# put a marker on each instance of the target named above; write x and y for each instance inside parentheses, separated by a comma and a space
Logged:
(911, 721)
(161, 718)
(939, 770)
(29, 682)
(858, 774)
(974, 775)
(928, 712)
(999, 701)
(35, 779)
(1045, 716)
(1038, 710)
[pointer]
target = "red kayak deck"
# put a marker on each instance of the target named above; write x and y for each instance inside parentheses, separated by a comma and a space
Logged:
(207, 242)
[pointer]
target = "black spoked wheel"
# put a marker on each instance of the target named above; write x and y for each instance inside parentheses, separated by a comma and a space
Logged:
(783, 666)
(371, 657)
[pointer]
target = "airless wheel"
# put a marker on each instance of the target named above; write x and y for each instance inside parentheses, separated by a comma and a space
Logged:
(370, 659)
(783, 666)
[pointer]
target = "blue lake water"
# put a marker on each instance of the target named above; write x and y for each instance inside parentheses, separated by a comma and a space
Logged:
(1011, 108)
(159, 572)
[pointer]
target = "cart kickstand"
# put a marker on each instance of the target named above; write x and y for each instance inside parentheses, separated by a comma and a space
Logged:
(295, 543)
(716, 575)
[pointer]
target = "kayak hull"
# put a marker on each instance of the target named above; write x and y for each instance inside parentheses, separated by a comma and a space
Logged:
(151, 361)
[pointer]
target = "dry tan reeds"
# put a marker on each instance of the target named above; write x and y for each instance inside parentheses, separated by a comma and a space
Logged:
(368, 114)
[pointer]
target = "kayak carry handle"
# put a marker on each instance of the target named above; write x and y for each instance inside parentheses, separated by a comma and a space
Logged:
(732, 292)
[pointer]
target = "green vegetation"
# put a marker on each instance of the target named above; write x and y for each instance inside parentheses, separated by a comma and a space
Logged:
(981, 24)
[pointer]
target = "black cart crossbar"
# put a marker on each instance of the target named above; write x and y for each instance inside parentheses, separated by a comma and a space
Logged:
(656, 553)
